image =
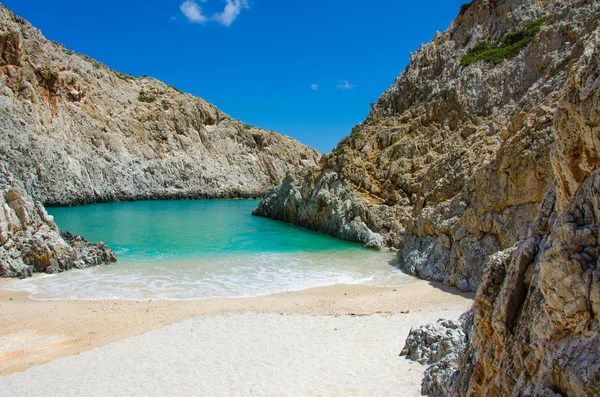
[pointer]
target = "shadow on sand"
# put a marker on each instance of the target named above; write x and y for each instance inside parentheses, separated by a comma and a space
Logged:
(436, 284)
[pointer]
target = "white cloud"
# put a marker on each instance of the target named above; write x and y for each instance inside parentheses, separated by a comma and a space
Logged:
(231, 11)
(192, 11)
(314, 87)
(344, 85)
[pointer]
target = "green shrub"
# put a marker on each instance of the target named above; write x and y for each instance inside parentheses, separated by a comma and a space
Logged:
(356, 132)
(176, 89)
(511, 44)
(123, 76)
(146, 97)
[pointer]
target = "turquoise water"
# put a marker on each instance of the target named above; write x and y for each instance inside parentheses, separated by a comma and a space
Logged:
(203, 249)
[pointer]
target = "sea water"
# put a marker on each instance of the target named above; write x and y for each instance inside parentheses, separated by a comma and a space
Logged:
(203, 249)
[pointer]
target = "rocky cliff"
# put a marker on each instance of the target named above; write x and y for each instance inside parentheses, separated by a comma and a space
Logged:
(75, 131)
(453, 161)
(536, 324)
(481, 165)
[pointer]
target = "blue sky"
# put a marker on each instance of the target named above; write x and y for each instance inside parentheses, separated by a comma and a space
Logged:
(308, 69)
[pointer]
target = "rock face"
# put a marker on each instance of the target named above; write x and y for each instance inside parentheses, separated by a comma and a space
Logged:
(74, 131)
(31, 242)
(453, 161)
(440, 345)
(321, 202)
(488, 176)
(536, 326)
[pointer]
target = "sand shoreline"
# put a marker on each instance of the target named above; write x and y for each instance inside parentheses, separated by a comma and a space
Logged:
(35, 332)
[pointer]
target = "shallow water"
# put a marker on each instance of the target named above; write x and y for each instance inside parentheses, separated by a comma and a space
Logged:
(203, 249)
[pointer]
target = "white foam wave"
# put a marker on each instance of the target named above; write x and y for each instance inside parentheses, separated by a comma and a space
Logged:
(229, 277)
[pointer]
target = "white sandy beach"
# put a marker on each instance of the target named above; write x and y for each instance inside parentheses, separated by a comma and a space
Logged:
(332, 341)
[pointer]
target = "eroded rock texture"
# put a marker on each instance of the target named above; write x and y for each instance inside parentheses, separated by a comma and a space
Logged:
(441, 346)
(74, 131)
(320, 201)
(487, 177)
(536, 329)
(31, 242)
(453, 161)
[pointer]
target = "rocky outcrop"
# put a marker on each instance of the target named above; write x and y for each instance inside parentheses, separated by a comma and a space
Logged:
(440, 346)
(535, 330)
(536, 327)
(74, 131)
(430, 343)
(490, 172)
(453, 161)
(321, 202)
(31, 242)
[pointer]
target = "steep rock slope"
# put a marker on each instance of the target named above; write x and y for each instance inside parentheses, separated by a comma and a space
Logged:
(488, 175)
(536, 324)
(453, 161)
(74, 131)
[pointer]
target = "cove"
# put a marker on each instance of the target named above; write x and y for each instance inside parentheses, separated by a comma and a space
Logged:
(202, 249)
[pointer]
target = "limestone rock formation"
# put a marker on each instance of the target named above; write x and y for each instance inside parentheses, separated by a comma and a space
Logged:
(31, 242)
(430, 343)
(321, 202)
(489, 174)
(74, 131)
(453, 161)
(536, 325)
(440, 346)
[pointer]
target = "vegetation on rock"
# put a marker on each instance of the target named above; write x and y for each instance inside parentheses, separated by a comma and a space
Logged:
(146, 97)
(510, 46)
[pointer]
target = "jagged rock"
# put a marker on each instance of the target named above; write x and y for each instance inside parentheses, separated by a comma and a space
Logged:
(322, 204)
(440, 345)
(438, 376)
(490, 173)
(536, 326)
(74, 131)
(31, 242)
(428, 344)
(453, 161)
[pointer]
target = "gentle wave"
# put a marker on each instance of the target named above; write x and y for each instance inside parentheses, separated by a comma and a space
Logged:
(204, 249)
(234, 277)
